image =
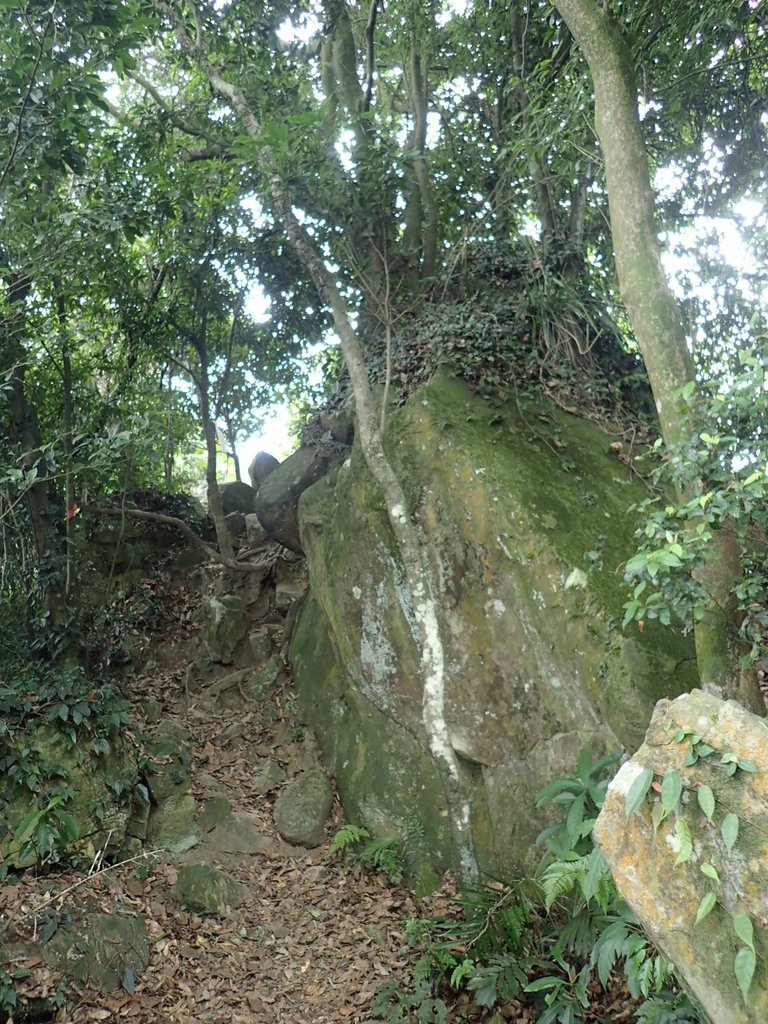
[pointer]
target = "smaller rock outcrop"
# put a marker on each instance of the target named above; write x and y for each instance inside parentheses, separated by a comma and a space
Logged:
(684, 829)
(171, 823)
(277, 499)
(237, 497)
(303, 808)
(226, 621)
(262, 465)
(255, 534)
(206, 890)
(102, 951)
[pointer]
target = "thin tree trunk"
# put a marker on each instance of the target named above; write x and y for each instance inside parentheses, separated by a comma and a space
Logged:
(215, 506)
(424, 603)
(654, 313)
(67, 424)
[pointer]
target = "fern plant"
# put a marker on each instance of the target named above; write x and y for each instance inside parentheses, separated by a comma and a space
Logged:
(382, 854)
(347, 837)
(576, 931)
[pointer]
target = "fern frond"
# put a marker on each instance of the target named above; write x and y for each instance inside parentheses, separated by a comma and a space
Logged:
(384, 855)
(348, 835)
(562, 877)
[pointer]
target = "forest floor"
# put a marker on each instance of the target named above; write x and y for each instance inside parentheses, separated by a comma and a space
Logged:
(316, 936)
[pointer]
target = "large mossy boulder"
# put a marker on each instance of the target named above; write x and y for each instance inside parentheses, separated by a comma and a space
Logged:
(98, 807)
(522, 512)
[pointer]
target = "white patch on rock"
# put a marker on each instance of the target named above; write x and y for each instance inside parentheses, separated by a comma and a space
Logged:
(673, 842)
(480, 470)
(356, 592)
(577, 580)
(433, 716)
(504, 547)
(556, 682)
(625, 776)
(347, 463)
(497, 606)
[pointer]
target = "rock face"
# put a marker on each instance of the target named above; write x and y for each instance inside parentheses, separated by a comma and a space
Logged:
(522, 511)
(720, 824)
(101, 951)
(277, 499)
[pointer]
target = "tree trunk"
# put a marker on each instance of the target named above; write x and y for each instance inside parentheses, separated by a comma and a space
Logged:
(215, 506)
(422, 592)
(653, 311)
(44, 515)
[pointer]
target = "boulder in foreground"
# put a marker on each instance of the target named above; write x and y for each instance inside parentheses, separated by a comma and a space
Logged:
(698, 878)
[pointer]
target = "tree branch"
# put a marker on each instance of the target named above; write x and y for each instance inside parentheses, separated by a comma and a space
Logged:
(370, 38)
(158, 517)
(167, 109)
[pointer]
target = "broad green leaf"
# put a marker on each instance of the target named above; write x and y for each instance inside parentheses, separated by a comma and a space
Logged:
(707, 903)
(683, 834)
(658, 814)
(729, 830)
(744, 968)
(575, 817)
(638, 790)
(742, 925)
(747, 766)
(671, 788)
(706, 799)
(710, 872)
(542, 984)
(597, 869)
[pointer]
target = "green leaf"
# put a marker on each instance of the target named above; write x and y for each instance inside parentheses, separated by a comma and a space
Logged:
(542, 984)
(683, 834)
(597, 869)
(747, 766)
(658, 814)
(707, 903)
(671, 789)
(706, 799)
(710, 872)
(742, 925)
(638, 790)
(128, 980)
(744, 968)
(729, 830)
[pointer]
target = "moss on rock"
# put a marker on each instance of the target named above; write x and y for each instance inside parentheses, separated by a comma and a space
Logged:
(522, 511)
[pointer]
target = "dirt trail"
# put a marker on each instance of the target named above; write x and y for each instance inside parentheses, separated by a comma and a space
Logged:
(314, 938)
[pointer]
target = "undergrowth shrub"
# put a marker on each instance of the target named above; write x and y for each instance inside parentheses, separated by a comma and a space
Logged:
(84, 717)
(556, 940)
(390, 854)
